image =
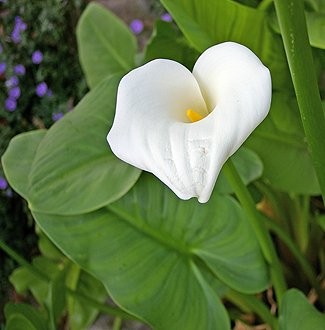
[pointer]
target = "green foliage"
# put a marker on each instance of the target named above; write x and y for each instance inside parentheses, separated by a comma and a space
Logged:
(79, 138)
(51, 294)
(151, 229)
(131, 220)
(206, 23)
(280, 143)
(23, 316)
(248, 165)
(168, 262)
(106, 46)
(297, 313)
(168, 42)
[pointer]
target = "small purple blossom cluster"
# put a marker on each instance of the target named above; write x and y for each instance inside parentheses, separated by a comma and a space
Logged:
(4, 186)
(19, 70)
(13, 89)
(19, 27)
(137, 26)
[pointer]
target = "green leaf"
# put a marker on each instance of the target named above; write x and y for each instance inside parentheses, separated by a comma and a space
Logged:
(168, 42)
(23, 316)
(22, 279)
(248, 165)
(297, 313)
(18, 158)
(280, 143)
(105, 44)
(74, 170)
(155, 254)
(321, 221)
(56, 298)
(316, 29)
(47, 248)
(81, 315)
(208, 22)
(315, 26)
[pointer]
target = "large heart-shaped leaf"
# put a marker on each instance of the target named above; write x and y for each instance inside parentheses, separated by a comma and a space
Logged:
(155, 254)
(105, 45)
(207, 22)
(74, 170)
(297, 313)
(18, 158)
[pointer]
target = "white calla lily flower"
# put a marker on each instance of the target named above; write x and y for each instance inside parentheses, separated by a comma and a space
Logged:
(183, 126)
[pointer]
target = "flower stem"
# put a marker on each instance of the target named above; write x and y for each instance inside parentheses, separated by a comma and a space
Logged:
(304, 263)
(259, 228)
(296, 43)
(252, 304)
(43, 277)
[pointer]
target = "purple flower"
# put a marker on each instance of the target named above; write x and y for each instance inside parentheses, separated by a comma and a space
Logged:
(14, 93)
(37, 57)
(41, 89)
(136, 26)
(166, 17)
(3, 66)
(10, 104)
(3, 183)
(19, 70)
(20, 25)
(57, 116)
(12, 82)
(15, 36)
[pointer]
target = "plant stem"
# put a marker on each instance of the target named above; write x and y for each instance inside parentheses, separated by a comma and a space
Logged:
(300, 221)
(259, 228)
(22, 262)
(253, 304)
(115, 311)
(296, 43)
(304, 263)
(117, 323)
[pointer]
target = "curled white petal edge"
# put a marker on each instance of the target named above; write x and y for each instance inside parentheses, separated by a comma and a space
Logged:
(229, 85)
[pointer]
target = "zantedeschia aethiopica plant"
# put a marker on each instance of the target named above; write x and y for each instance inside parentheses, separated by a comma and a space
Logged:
(183, 126)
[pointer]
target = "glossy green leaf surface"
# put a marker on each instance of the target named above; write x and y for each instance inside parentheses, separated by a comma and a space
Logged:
(18, 159)
(297, 313)
(209, 22)
(248, 165)
(168, 42)
(74, 170)
(280, 143)
(315, 25)
(181, 242)
(105, 44)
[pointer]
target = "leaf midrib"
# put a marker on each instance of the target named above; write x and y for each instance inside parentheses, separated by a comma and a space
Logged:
(158, 236)
(110, 48)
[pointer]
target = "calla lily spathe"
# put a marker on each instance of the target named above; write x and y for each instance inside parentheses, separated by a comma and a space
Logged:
(229, 88)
